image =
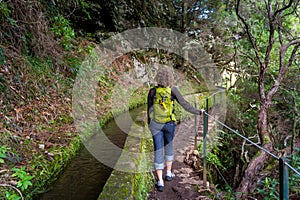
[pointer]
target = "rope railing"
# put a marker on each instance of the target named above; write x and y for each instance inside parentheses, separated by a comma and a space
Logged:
(283, 164)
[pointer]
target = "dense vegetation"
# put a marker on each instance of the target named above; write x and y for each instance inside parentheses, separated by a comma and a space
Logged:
(42, 45)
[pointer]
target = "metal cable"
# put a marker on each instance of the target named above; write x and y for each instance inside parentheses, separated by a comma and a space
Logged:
(261, 148)
(234, 131)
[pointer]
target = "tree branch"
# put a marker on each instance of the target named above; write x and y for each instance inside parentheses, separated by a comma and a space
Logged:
(280, 32)
(277, 12)
(271, 35)
(283, 68)
(293, 55)
(248, 32)
(262, 66)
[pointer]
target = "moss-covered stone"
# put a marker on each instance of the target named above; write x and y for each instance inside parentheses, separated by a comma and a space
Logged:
(136, 178)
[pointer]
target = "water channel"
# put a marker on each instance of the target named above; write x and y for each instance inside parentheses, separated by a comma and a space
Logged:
(85, 176)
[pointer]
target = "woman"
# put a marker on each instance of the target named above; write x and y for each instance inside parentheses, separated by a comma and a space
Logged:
(161, 121)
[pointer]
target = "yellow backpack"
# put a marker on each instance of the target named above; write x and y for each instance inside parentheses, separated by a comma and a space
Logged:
(163, 105)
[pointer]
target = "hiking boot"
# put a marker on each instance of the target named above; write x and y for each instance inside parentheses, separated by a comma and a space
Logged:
(169, 176)
(159, 186)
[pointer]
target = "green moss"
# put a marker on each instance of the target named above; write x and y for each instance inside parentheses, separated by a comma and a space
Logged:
(118, 186)
(271, 166)
(46, 171)
(143, 182)
(132, 185)
(266, 139)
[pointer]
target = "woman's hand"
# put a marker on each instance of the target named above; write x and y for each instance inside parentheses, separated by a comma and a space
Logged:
(202, 111)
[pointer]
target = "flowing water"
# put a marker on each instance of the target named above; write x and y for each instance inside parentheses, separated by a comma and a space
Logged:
(85, 176)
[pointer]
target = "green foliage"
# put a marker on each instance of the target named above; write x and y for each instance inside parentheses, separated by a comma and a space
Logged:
(293, 24)
(229, 195)
(213, 152)
(243, 107)
(269, 189)
(2, 57)
(42, 76)
(141, 185)
(73, 63)
(12, 195)
(39, 67)
(61, 27)
(259, 29)
(294, 179)
(24, 181)
(61, 120)
(12, 146)
(47, 169)
(42, 170)
(84, 5)
(3, 153)
(143, 182)
(23, 177)
(4, 11)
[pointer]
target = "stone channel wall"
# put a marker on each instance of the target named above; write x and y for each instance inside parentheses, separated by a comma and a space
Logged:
(131, 177)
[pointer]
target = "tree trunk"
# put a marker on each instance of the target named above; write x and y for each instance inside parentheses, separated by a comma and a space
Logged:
(262, 123)
(251, 176)
(274, 18)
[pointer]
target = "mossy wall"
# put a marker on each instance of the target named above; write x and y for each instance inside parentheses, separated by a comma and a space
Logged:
(132, 177)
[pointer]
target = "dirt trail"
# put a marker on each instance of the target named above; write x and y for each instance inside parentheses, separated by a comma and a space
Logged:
(187, 183)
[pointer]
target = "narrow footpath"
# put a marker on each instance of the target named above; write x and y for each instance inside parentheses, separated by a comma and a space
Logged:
(187, 184)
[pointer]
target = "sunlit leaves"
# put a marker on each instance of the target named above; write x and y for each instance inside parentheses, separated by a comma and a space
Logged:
(62, 28)
(24, 179)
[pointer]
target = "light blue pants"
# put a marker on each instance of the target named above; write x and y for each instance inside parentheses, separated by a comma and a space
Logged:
(163, 135)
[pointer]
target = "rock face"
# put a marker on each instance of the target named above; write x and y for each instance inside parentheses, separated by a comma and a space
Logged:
(120, 15)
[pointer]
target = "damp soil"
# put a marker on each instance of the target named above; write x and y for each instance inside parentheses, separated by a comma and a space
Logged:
(183, 186)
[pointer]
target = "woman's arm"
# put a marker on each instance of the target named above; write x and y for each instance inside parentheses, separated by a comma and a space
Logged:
(150, 102)
(186, 105)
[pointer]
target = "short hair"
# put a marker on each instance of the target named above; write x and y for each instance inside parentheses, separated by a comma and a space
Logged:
(164, 76)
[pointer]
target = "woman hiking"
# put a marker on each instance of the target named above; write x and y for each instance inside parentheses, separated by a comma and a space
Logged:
(161, 121)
